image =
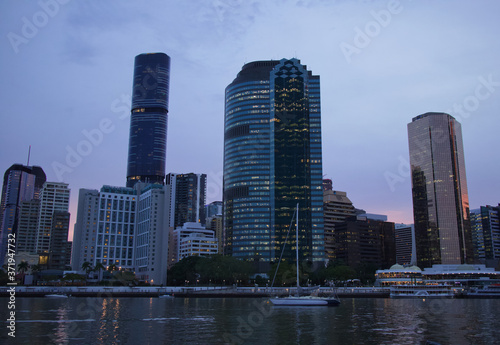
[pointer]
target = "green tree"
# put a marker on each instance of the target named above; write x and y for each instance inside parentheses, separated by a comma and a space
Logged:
(87, 267)
(184, 271)
(123, 277)
(22, 267)
(73, 277)
(98, 268)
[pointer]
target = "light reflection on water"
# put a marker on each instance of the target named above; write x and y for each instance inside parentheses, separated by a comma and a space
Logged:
(252, 321)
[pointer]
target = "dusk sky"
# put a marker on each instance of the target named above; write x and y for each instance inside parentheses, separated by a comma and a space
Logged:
(67, 69)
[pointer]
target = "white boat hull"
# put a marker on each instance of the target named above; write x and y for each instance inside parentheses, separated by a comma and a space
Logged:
(304, 301)
(56, 296)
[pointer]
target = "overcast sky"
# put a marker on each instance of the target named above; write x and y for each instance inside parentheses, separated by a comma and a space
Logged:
(67, 67)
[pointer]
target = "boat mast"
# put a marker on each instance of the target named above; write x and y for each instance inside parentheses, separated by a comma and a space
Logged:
(297, 244)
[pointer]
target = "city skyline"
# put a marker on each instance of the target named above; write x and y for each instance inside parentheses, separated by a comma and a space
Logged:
(68, 91)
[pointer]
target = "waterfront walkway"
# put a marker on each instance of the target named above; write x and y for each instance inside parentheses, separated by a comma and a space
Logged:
(184, 291)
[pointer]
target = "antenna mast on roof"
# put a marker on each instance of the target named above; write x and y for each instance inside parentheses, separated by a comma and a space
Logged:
(29, 153)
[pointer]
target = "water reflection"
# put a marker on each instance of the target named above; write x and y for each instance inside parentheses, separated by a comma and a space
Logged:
(253, 321)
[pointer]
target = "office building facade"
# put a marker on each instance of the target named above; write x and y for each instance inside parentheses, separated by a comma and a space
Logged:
(20, 184)
(405, 244)
(272, 161)
(151, 245)
(361, 240)
(116, 227)
(125, 227)
(54, 197)
(148, 121)
(188, 198)
(191, 239)
(439, 189)
(337, 207)
(485, 224)
(85, 230)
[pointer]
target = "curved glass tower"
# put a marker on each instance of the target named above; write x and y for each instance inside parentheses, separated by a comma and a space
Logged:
(439, 189)
(272, 161)
(148, 123)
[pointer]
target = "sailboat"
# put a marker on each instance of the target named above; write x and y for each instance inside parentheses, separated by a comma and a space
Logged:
(301, 300)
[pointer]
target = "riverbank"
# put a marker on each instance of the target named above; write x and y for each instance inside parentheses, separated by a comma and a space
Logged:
(203, 292)
(182, 291)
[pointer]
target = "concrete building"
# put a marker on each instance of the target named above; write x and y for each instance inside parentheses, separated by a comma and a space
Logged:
(151, 245)
(126, 227)
(336, 209)
(191, 239)
(58, 255)
(405, 244)
(85, 230)
(361, 240)
(116, 227)
(54, 197)
(485, 224)
(28, 226)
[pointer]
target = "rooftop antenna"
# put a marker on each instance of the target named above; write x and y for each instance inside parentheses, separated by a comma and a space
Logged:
(29, 153)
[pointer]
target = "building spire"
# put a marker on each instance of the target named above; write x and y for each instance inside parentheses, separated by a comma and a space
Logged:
(29, 153)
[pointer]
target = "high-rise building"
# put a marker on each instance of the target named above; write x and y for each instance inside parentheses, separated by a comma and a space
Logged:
(54, 197)
(213, 209)
(361, 240)
(439, 188)
(126, 227)
(20, 183)
(116, 230)
(152, 233)
(485, 223)
(327, 184)
(188, 198)
(405, 244)
(337, 208)
(272, 161)
(85, 230)
(27, 230)
(148, 123)
(191, 239)
(215, 223)
(59, 241)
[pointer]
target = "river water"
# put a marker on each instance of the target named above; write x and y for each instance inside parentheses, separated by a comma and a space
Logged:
(250, 321)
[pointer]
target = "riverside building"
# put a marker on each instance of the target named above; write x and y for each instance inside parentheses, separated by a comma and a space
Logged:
(439, 189)
(272, 161)
(148, 122)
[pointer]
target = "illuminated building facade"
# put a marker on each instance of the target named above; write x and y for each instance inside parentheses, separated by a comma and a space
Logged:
(485, 224)
(272, 161)
(439, 189)
(148, 122)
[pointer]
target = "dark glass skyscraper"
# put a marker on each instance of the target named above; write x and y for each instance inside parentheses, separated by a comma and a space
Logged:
(439, 188)
(148, 123)
(20, 184)
(272, 161)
